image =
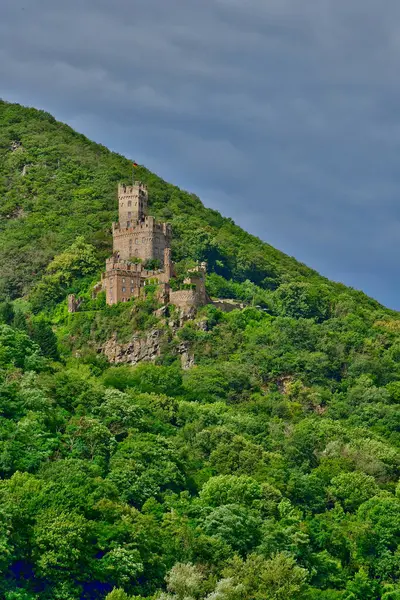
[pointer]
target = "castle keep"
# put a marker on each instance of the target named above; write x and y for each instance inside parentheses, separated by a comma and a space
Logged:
(137, 235)
(138, 239)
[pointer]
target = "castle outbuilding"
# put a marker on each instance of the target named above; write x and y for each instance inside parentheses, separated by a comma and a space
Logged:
(137, 240)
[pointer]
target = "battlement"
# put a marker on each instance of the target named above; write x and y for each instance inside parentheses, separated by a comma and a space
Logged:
(199, 270)
(125, 266)
(115, 263)
(145, 224)
(129, 190)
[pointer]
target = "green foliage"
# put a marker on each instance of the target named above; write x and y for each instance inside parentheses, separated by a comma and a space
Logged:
(276, 579)
(145, 378)
(18, 350)
(43, 335)
(152, 264)
(117, 594)
(7, 314)
(235, 525)
(303, 300)
(77, 262)
(353, 489)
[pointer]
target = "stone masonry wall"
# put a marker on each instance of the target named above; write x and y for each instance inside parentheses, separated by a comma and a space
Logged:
(144, 240)
(185, 299)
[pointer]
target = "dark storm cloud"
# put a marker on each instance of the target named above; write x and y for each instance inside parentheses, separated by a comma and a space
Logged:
(282, 114)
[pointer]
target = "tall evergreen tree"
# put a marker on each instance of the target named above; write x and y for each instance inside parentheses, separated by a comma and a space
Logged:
(44, 336)
(19, 321)
(6, 312)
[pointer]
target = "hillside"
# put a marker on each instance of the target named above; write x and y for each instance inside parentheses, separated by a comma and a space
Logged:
(55, 184)
(255, 457)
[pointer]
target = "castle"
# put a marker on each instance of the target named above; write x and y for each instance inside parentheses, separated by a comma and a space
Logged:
(142, 255)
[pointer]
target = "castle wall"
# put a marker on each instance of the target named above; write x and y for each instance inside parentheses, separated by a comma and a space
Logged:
(145, 240)
(198, 280)
(185, 299)
(121, 286)
(123, 281)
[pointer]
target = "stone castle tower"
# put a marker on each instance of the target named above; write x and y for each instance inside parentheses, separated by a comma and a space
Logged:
(137, 235)
(132, 203)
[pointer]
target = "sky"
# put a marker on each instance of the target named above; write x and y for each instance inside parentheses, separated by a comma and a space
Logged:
(282, 114)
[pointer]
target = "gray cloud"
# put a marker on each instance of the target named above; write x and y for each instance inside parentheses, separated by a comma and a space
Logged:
(279, 113)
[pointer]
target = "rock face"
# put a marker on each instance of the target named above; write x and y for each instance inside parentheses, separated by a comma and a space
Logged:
(187, 358)
(73, 303)
(144, 348)
(139, 349)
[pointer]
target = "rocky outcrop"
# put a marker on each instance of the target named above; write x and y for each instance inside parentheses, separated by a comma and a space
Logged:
(74, 303)
(187, 357)
(140, 348)
(144, 348)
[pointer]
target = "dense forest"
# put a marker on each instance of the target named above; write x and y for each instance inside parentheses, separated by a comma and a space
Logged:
(268, 470)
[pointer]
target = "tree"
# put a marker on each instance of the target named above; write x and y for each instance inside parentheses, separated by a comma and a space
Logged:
(246, 491)
(276, 579)
(352, 489)
(18, 350)
(20, 321)
(304, 300)
(143, 466)
(228, 589)
(42, 333)
(78, 260)
(362, 587)
(6, 313)
(235, 525)
(184, 581)
(117, 594)
(62, 545)
(146, 377)
(121, 565)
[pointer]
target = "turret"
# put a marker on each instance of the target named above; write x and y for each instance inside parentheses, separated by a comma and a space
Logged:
(168, 263)
(132, 203)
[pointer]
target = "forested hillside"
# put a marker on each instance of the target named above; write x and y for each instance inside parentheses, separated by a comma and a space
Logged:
(268, 470)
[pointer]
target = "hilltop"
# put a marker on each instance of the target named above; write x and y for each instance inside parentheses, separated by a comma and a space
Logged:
(245, 454)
